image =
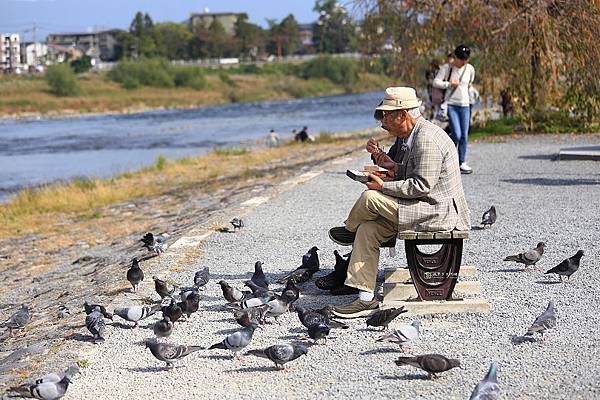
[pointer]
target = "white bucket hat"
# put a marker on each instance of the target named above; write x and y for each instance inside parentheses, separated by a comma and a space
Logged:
(398, 98)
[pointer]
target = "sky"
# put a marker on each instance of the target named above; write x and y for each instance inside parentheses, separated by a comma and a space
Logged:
(56, 16)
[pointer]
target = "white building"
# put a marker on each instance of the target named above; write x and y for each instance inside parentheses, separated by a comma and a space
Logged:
(33, 54)
(10, 51)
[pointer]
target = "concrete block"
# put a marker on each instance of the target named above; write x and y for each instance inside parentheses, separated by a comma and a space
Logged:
(406, 291)
(466, 306)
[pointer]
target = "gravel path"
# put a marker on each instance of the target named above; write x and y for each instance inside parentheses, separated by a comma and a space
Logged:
(537, 200)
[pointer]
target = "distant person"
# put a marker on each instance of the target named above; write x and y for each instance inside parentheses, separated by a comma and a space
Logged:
(506, 102)
(474, 99)
(273, 138)
(302, 136)
(456, 79)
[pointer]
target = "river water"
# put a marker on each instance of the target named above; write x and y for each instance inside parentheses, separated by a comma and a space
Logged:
(35, 152)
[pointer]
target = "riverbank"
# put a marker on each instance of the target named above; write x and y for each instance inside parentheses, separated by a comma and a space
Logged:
(28, 97)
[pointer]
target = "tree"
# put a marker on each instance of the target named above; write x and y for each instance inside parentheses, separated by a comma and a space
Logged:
(544, 51)
(141, 39)
(219, 42)
(173, 40)
(62, 80)
(334, 32)
(284, 37)
(249, 37)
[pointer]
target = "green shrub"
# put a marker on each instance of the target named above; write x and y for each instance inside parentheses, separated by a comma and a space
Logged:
(189, 76)
(342, 71)
(81, 65)
(224, 77)
(62, 80)
(148, 72)
(160, 162)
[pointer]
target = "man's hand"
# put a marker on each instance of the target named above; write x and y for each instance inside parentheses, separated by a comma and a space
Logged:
(373, 146)
(374, 182)
(384, 161)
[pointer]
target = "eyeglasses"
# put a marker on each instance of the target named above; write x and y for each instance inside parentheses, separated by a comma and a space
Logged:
(386, 113)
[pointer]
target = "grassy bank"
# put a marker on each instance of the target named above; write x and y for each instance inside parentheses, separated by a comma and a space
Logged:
(30, 95)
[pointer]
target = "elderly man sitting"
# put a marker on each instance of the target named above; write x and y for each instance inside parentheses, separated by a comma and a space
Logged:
(422, 192)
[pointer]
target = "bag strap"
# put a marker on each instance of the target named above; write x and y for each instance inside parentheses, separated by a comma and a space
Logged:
(459, 79)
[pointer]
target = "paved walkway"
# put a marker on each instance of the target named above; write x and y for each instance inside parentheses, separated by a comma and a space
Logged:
(538, 199)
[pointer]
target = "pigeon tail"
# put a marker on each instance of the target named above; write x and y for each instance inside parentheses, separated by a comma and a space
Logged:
(220, 345)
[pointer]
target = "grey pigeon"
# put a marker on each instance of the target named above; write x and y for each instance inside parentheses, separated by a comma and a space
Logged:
(567, 267)
(94, 322)
(310, 265)
(318, 331)
(163, 328)
(201, 278)
(63, 311)
(259, 278)
(190, 303)
(278, 306)
(258, 291)
(135, 274)
(18, 320)
(70, 372)
(545, 322)
(530, 257)
(237, 223)
(251, 315)
(49, 390)
(281, 354)
(292, 291)
(162, 288)
(155, 243)
(89, 307)
(231, 294)
(489, 217)
(136, 313)
(311, 317)
(172, 310)
(384, 317)
(488, 388)
(431, 363)
(237, 340)
(404, 335)
(170, 352)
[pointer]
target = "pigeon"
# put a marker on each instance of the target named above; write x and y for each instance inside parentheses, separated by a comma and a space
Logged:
(545, 322)
(58, 376)
(384, 317)
(201, 278)
(318, 331)
(135, 274)
(170, 352)
(63, 311)
(162, 288)
(94, 322)
(155, 243)
(190, 303)
(489, 217)
(47, 390)
(488, 388)
(281, 354)
(231, 294)
(292, 291)
(172, 310)
(258, 291)
(567, 267)
(237, 340)
(89, 307)
(431, 363)
(310, 265)
(529, 257)
(251, 315)
(278, 306)
(404, 335)
(163, 328)
(18, 320)
(237, 223)
(311, 317)
(136, 313)
(259, 278)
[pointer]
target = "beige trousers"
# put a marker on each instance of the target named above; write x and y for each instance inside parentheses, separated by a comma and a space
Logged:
(374, 218)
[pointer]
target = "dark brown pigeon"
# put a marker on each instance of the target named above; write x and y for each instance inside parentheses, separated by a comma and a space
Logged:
(431, 363)
(384, 317)
(489, 217)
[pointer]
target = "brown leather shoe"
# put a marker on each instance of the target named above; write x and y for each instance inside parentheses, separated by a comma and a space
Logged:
(343, 290)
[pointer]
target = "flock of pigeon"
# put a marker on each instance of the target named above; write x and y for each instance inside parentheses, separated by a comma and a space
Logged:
(255, 305)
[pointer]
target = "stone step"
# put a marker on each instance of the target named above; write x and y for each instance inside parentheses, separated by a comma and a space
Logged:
(406, 291)
(393, 275)
(466, 306)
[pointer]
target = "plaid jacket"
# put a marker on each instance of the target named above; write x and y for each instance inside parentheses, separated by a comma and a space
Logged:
(428, 185)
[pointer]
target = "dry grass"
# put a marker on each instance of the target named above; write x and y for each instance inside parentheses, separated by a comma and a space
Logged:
(64, 209)
(29, 95)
